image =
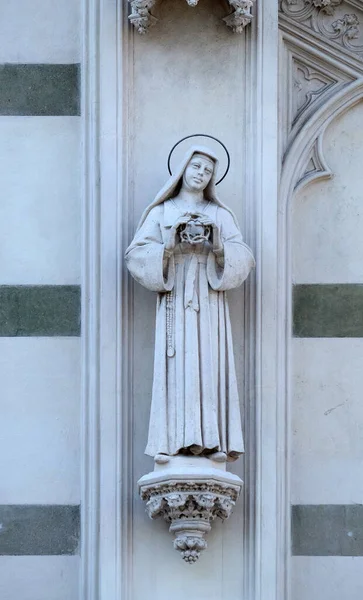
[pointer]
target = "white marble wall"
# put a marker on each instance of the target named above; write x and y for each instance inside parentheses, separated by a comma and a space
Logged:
(327, 381)
(40, 409)
(39, 577)
(40, 31)
(327, 216)
(332, 577)
(40, 233)
(40, 217)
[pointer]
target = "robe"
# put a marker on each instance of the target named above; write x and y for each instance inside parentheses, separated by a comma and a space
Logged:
(195, 405)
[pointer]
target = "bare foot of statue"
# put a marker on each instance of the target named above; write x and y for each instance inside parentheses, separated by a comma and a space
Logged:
(218, 457)
(162, 459)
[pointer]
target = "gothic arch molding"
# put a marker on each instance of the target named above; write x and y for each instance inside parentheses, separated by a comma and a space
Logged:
(312, 133)
(306, 149)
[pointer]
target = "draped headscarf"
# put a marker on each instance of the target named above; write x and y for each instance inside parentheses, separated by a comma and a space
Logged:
(173, 184)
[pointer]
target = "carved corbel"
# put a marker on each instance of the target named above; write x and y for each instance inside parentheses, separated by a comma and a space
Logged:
(140, 16)
(189, 499)
(241, 17)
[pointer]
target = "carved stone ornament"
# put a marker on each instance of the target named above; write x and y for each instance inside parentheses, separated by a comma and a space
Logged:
(316, 167)
(328, 19)
(142, 19)
(189, 493)
(189, 249)
(309, 85)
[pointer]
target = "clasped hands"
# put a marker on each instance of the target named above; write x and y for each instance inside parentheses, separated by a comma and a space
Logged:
(202, 219)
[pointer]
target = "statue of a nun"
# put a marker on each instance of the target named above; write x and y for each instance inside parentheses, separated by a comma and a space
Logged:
(189, 249)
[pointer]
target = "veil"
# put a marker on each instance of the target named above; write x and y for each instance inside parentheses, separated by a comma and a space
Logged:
(171, 186)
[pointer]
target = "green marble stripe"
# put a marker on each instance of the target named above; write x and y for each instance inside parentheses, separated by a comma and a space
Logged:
(327, 530)
(39, 89)
(40, 310)
(39, 530)
(328, 310)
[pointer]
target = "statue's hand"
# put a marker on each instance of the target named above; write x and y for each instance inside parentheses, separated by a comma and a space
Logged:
(217, 245)
(172, 238)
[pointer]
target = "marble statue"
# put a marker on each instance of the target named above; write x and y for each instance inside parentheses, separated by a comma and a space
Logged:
(189, 249)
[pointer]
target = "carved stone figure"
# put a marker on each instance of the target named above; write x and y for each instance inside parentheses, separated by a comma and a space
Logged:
(189, 249)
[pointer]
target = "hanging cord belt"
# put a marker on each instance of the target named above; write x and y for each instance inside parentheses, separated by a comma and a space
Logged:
(191, 299)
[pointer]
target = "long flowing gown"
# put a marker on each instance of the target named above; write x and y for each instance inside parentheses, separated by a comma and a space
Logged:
(195, 405)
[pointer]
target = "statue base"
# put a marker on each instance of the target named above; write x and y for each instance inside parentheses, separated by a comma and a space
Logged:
(189, 492)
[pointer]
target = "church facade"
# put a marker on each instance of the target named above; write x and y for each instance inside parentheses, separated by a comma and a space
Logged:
(94, 95)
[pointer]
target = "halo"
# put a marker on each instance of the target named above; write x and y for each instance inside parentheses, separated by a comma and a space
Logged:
(187, 137)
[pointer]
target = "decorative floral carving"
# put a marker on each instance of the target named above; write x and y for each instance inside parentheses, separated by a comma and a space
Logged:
(142, 20)
(140, 16)
(241, 16)
(343, 31)
(304, 6)
(316, 14)
(190, 507)
(190, 547)
(327, 6)
(347, 26)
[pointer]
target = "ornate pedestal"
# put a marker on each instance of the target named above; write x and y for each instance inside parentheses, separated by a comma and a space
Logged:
(189, 493)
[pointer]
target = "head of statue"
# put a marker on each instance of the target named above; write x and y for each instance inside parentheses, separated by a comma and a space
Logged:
(198, 172)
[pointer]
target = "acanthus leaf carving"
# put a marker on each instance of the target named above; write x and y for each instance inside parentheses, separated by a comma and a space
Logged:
(305, 8)
(189, 504)
(142, 19)
(140, 16)
(190, 547)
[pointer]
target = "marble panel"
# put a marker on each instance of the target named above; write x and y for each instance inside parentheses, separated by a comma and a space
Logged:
(327, 529)
(331, 577)
(40, 310)
(328, 310)
(39, 577)
(34, 530)
(40, 405)
(327, 421)
(40, 31)
(40, 221)
(39, 90)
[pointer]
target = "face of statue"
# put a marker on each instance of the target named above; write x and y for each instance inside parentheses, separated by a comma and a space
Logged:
(198, 173)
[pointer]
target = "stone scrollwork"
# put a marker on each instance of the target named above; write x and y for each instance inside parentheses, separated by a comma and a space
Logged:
(142, 19)
(189, 502)
(303, 9)
(318, 16)
(346, 29)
